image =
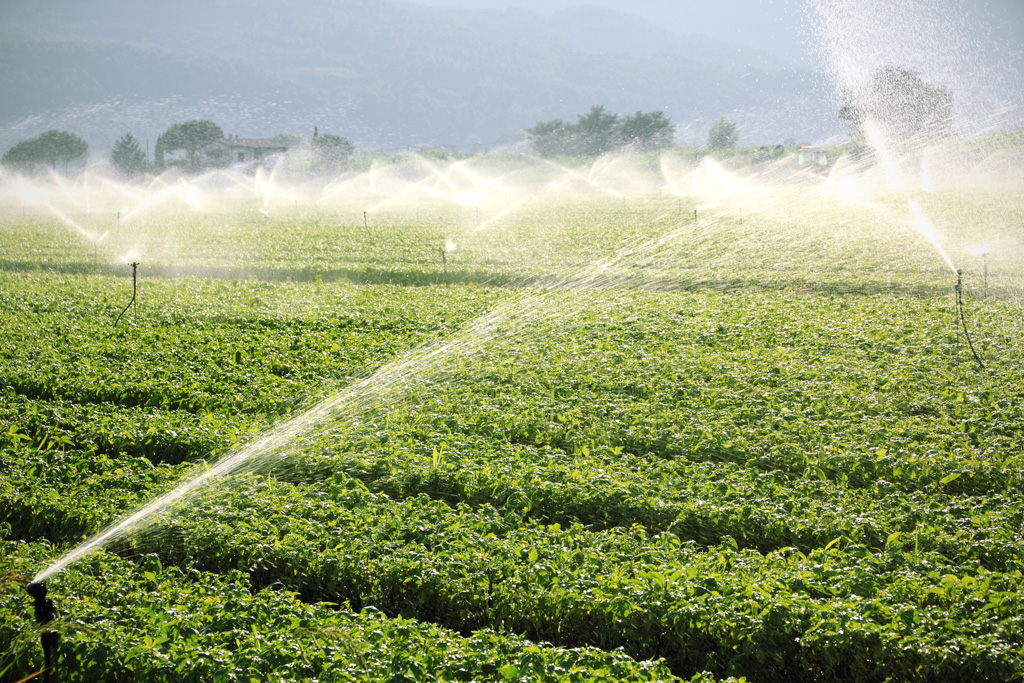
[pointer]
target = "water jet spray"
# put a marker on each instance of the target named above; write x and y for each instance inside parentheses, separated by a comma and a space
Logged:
(984, 262)
(982, 251)
(448, 247)
(135, 289)
(44, 612)
(96, 244)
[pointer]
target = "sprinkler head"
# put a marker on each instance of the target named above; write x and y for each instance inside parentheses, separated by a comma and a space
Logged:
(50, 640)
(43, 606)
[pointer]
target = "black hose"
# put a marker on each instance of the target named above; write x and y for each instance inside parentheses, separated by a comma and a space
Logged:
(44, 613)
(963, 320)
(135, 267)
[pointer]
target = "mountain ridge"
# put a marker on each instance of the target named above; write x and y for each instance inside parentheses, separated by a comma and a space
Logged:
(385, 73)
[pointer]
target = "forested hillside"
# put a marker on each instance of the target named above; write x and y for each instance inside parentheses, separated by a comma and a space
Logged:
(386, 74)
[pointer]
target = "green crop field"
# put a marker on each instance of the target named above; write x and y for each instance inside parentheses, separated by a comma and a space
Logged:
(514, 421)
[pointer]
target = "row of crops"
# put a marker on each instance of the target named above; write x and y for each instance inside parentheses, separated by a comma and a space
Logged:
(786, 474)
(783, 239)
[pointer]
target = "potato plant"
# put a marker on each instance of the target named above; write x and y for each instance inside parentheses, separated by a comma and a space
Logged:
(625, 444)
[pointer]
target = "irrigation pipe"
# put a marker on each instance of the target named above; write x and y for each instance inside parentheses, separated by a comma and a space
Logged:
(135, 267)
(963, 321)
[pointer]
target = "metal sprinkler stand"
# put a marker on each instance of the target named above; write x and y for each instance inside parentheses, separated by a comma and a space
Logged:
(96, 245)
(135, 289)
(958, 288)
(984, 260)
(44, 613)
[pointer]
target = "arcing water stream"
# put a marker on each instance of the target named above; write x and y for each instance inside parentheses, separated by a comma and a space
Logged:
(388, 380)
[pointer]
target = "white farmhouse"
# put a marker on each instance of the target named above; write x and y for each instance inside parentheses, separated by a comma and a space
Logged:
(232, 150)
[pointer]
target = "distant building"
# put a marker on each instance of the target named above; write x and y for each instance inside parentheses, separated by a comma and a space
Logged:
(812, 157)
(232, 150)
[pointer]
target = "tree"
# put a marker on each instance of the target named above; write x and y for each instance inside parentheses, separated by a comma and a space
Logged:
(900, 104)
(600, 131)
(57, 146)
(550, 138)
(723, 134)
(50, 148)
(645, 132)
(189, 137)
(330, 152)
(20, 157)
(596, 132)
(127, 158)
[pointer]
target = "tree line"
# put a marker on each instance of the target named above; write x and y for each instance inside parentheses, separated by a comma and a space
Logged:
(897, 101)
(328, 153)
(49, 149)
(600, 131)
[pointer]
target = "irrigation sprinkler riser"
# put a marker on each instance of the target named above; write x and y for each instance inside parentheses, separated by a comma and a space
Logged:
(135, 289)
(958, 288)
(43, 612)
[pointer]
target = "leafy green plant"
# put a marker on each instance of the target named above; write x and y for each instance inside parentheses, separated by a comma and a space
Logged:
(748, 466)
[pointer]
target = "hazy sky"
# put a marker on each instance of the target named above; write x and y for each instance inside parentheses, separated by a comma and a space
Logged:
(779, 26)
